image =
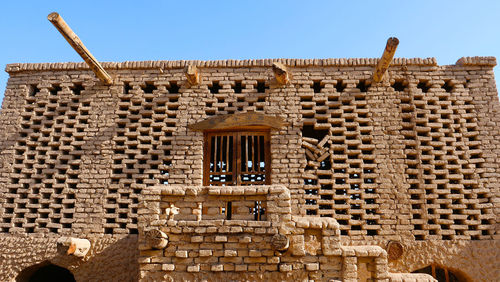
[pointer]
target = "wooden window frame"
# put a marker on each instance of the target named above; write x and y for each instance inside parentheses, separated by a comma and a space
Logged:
(237, 158)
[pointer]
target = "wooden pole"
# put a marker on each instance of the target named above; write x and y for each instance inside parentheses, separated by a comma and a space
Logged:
(77, 44)
(385, 61)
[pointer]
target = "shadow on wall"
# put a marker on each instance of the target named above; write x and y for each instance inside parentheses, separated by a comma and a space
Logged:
(109, 259)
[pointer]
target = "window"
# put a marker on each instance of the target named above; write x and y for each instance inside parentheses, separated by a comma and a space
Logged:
(236, 158)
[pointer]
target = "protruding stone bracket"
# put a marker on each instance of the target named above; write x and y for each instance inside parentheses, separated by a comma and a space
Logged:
(281, 73)
(77, 247)
(77, 44)
(192, 75)
(385, 61)
(156, 239)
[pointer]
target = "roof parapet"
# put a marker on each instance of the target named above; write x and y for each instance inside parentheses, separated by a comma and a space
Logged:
(333, 62)
(477, 61)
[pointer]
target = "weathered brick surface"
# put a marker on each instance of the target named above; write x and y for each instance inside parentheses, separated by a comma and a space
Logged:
(412, 159)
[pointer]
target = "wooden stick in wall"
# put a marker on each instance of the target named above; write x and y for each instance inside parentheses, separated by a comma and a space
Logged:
(385, 61)
(77, 44)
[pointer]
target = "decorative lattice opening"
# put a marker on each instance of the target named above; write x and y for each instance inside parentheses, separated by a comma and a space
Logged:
(237, 158)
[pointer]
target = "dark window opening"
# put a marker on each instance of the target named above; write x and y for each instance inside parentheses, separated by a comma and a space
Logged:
(229, 210)
(237, 158)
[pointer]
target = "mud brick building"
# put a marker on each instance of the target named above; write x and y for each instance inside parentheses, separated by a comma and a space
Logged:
(283, 169)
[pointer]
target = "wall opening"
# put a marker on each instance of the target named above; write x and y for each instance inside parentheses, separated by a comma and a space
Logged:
(236, 158)
(442, 274)
(45, 272)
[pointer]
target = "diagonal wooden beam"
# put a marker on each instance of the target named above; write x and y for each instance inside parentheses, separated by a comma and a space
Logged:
(385, 61)
(77, 44)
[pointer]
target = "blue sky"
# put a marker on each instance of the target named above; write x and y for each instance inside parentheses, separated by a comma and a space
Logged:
(208, 30)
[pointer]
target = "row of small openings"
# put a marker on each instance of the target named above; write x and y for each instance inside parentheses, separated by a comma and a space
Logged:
(423, 85)
(149, 87)
(55, 88)
(340, 86)
(123, 174)
(238, 87)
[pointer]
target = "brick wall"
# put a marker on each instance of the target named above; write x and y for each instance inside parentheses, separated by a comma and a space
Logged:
(411, 158)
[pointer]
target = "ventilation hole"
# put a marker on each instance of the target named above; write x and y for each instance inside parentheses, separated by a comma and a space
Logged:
(33, 90)
(363, 85)
(77, 88)
(173, 88)
(261, 86)
(398, 85)
(237, 87)
(424, 86)
(126, 87)
(340, 86)
(215, 87)
(149, 87)
(317, 86)
(447, 86)
(54, 89)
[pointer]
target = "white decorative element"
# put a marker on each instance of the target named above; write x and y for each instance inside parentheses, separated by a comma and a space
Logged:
(171, 211)
(199, 211)
(77, 247)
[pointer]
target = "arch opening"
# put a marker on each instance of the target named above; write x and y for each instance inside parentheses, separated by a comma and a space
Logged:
(45, 272)
(442, 274)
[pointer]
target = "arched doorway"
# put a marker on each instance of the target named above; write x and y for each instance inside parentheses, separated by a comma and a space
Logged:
(45, 272)
(442, 274)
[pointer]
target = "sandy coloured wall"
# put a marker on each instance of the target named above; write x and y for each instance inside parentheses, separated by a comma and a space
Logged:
(412, 159)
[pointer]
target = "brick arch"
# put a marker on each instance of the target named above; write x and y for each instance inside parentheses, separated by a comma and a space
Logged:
(45, 271)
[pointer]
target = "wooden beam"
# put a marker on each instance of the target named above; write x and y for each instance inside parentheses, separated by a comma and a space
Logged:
(237, 121)
(281, 74)
(77, 44)
(192, 75)
(385, 61)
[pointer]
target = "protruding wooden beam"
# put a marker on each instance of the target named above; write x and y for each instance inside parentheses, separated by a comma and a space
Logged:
(281, 74)
(77, 44)
(385, 61)
(192, 75)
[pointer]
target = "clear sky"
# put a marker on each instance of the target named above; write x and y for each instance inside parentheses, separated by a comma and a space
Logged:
(208, 30)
